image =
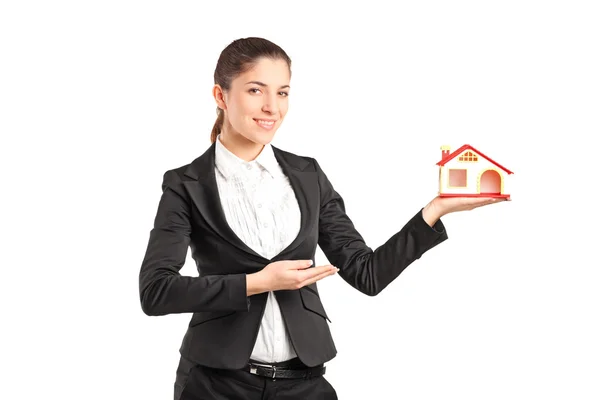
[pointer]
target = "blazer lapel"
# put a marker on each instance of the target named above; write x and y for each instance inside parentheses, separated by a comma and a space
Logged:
(306, 188)
(205, 194)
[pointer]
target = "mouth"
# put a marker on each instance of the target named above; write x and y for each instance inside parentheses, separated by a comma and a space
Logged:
(265, 123)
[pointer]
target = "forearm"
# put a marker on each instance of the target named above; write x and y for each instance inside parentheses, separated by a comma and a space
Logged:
(367, 270)
(170, 293)
(372, 271)
(403, 248)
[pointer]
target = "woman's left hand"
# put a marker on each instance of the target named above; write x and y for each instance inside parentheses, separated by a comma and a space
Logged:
(440, 206)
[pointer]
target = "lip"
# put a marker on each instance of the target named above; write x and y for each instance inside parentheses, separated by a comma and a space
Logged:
(266, 124)
(264, 119)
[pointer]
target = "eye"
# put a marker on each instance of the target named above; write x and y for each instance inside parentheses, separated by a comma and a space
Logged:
(284, 94)
(254, 90)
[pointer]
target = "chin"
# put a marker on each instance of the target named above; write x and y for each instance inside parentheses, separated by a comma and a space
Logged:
(262, 138)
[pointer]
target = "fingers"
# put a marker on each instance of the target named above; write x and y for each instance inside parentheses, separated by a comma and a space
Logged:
(318, 277)
(478, 200)
(311, 273)
(493, 200)
(474, 202)
(301, 274)
(299, 264)
(487, 201)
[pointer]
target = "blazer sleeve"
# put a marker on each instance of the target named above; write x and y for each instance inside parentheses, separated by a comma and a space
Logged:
(163, 290)
(367, 270)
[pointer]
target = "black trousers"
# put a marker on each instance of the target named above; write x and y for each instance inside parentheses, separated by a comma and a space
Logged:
(196, 382)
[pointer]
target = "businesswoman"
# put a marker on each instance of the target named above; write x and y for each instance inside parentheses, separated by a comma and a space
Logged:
(252, 215)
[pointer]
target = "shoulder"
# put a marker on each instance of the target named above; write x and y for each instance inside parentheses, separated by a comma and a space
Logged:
(175, 176)
(199, 168)
(174, 179)
(300, 162)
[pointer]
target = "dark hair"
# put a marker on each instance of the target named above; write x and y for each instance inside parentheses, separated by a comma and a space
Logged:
(238, 57)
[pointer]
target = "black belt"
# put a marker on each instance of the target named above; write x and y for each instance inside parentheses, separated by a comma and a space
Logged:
(274, 371)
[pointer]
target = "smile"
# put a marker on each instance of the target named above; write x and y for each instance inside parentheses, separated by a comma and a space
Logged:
(265, 123)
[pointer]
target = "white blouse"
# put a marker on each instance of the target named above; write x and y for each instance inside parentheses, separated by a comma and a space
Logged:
(261, 208)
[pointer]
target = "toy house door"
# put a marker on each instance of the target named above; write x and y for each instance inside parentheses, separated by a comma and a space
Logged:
(490, 182)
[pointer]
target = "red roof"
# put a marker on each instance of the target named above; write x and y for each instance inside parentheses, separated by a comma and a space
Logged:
(469, 147)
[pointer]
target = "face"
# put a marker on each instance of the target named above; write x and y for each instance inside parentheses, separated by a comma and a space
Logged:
(257, 101)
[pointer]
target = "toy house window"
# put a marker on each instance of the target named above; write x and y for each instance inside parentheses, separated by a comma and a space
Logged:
(468, 156)
(457, 177)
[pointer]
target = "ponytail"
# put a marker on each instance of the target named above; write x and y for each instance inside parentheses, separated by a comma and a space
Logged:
(218, 127)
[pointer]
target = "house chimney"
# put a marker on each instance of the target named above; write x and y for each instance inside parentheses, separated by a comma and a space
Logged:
(445, 151)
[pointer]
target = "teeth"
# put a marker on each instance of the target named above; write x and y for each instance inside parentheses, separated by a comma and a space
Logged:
(262, 122)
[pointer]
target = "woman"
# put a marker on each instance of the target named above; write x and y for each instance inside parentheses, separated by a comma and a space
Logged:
(253, 216)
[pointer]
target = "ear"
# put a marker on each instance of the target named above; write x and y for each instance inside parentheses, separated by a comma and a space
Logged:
(219, 95)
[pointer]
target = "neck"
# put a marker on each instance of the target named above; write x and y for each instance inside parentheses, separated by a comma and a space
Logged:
(240, 146)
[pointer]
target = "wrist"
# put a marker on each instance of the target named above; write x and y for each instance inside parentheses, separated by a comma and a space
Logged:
(431, 213)
(255, 284)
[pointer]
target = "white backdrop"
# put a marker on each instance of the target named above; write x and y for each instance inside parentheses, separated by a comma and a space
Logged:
(99, 99)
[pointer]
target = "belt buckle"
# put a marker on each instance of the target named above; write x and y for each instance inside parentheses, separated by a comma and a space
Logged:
(254, 369)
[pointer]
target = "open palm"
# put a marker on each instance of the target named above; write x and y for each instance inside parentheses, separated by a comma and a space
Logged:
(440, 206)
(449, 205)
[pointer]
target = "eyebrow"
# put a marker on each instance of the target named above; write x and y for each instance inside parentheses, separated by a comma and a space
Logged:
(264, 84)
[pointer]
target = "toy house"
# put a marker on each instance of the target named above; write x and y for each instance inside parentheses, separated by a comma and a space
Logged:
(467, 172)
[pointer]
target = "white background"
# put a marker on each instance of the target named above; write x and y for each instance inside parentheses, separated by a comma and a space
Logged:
(99, 99)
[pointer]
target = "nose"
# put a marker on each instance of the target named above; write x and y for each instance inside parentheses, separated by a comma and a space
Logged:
(270, 105)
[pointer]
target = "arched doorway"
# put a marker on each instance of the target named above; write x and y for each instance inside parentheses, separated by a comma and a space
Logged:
(490, 182)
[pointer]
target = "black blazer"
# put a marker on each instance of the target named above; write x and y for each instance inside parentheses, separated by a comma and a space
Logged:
(225, 322)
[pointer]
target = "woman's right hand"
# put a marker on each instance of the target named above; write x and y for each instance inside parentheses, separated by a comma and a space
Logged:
(286, 275)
